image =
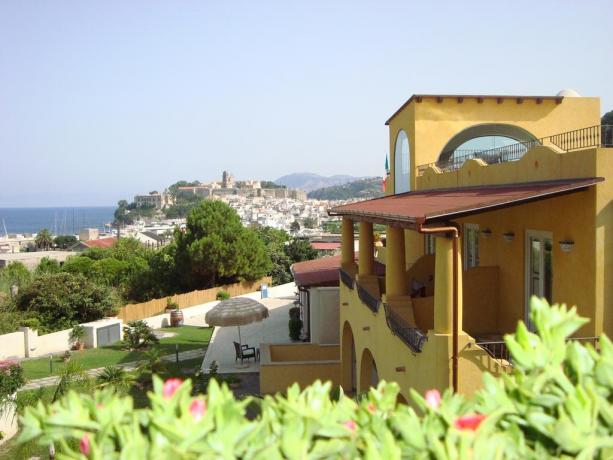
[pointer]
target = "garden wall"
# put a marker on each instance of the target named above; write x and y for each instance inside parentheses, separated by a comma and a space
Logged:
(12, 346)
(156, 307)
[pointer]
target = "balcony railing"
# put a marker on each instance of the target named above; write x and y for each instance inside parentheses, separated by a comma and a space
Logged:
(593, 136)
(346, 278)
(372, 302)
(413, 337)
(498, 349)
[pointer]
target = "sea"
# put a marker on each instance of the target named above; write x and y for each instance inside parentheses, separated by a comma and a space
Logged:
(59, 221)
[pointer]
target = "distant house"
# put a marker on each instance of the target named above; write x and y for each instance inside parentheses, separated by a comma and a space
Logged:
(102, 243)
(151, 239)
(326, 248)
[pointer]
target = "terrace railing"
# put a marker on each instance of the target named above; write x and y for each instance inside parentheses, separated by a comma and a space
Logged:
(592, 136)
(498, 349)
(372, 302)
(346, 278)
(413, 337)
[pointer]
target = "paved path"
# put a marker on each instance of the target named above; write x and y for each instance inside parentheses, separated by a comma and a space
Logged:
(54, 379)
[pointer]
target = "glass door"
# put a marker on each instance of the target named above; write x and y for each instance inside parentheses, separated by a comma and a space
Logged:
(539, 246)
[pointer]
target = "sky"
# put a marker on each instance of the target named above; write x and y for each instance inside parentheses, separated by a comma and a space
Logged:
(101, 100)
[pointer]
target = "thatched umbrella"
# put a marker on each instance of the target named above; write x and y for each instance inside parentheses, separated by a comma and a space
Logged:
(237, 311)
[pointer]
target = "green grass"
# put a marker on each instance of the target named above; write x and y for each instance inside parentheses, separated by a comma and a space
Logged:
(187, 338)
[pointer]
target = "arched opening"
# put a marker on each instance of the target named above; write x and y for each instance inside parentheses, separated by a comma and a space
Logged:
(369, 377)
(348, 363)
(402, 179)
(483, 138)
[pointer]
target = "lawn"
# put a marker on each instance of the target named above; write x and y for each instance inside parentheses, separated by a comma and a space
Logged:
(187, 338)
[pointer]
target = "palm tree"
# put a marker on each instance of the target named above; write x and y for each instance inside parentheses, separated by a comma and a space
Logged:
(115, 377)
(44, 240)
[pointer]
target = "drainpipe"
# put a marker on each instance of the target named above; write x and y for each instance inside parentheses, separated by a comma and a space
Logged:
(455, 235)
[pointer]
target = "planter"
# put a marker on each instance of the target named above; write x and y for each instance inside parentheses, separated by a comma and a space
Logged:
(78, 346)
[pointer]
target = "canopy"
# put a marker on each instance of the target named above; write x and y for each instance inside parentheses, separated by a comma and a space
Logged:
(237, 311)
(438, 205)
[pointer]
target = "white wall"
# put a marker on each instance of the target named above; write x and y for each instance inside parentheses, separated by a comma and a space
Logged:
(55, 342)
(12, 346)
(325, 321)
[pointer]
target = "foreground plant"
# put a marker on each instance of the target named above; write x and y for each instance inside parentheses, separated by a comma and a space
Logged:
(557, 405)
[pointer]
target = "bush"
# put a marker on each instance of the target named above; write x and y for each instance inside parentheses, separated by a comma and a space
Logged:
(222, 295)
(295, 327)
(77, 334)
(11, 380)
(294, 313)
(555, 404)
(170, 305)
(138, 334)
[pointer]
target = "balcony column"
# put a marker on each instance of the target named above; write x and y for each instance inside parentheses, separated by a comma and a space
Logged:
(366, 257)
(443, 286)
(395, 274)
(347, 246)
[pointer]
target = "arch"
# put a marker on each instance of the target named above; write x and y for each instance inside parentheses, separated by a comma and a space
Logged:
(348, 361)
(484, 130)
(369, 377)
(402, 163)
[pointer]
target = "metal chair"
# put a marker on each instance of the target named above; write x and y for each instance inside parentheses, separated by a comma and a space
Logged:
(244, 352)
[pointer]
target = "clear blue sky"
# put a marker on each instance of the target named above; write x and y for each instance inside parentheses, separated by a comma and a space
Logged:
(100, 100)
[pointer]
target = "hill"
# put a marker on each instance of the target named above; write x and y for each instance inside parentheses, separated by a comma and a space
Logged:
(361, 188)
(311, 181)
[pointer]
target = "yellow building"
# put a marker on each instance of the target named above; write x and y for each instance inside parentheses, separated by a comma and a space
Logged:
(473, 231)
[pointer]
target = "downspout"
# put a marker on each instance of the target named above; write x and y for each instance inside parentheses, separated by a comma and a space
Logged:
(455, 235)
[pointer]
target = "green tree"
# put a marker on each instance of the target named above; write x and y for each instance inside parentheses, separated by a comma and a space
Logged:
(43, 239)
(300, 250)
(122, 214)
(59, 300)
(47, 265)
(310, 222)
(16, 274)
(65, 241)
(275, 242)
(607, 118)
(294, 226)
(81, 265)
(216, 247)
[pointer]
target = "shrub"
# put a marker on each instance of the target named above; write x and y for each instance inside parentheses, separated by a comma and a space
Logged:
(11, 380)
(555, 404)
(294, 313)
(77, 334)
(138, 334)
(170, 305)
(295, 327)
(222, 295)
(115, 377)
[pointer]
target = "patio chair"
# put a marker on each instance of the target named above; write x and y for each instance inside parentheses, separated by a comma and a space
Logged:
(244, 352)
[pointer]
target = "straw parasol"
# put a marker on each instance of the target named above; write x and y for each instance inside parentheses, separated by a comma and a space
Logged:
(237, 311)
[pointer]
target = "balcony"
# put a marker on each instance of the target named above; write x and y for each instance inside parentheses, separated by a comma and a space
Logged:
(593, 136)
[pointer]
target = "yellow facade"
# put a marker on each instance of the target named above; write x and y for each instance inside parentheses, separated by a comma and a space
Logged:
(492, 295)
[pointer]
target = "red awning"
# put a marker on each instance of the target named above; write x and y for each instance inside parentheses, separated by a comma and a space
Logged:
(429, 206)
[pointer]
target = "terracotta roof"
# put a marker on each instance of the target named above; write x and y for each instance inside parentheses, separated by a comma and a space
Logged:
(480, 97)
(103, 243)
(425, 206)
(325, 246)
(323, 272)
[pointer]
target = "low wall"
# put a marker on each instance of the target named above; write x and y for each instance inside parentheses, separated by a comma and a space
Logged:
(55, 342)
(12, 346)
(283, 365)
(136, 311)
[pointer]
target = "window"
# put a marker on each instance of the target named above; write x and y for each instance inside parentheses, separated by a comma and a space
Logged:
(429, 244)
(401, 164)
(471, 246)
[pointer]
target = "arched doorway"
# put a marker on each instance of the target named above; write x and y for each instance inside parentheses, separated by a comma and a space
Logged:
(484, 137)
(402, 163)
(369, 377)
(348, 362)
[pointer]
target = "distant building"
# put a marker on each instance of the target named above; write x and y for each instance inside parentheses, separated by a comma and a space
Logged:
(102, 243)
(155, 199)
(86, 234)
(227, 180)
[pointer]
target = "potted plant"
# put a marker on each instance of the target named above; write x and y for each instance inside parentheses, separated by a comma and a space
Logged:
(76, 337)
(66, 356)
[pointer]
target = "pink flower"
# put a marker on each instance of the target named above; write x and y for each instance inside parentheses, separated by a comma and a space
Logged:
(84, 445)
(197, 408)
(170, 387)
(350, 425)
(433, 399)
(469, 422)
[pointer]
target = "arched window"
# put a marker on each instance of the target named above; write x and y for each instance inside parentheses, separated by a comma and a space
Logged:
(402, 181)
